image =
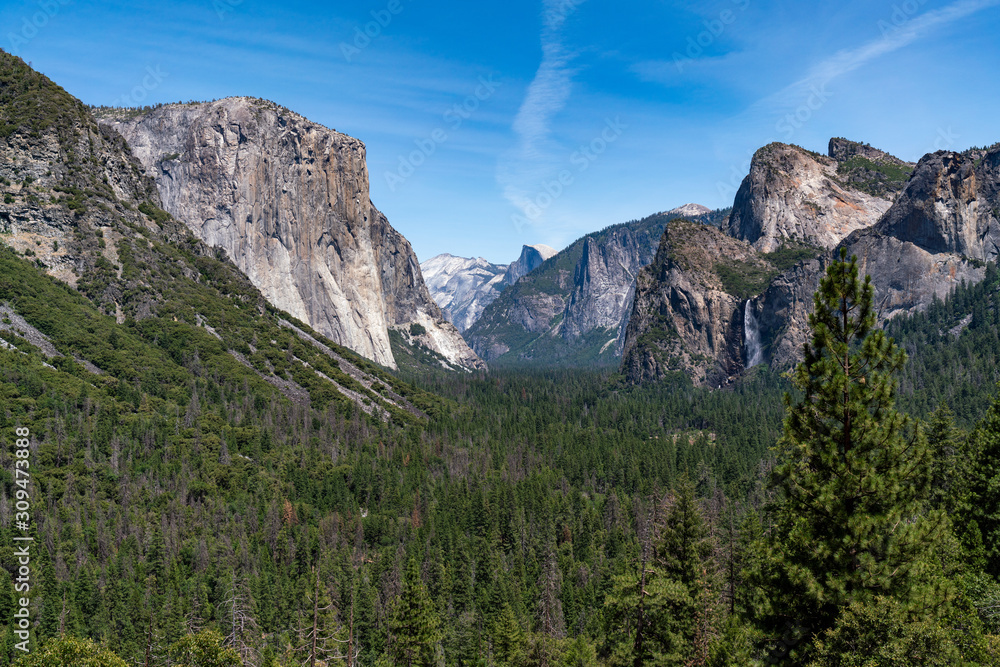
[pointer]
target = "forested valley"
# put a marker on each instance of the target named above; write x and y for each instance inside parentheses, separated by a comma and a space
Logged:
(187, 513)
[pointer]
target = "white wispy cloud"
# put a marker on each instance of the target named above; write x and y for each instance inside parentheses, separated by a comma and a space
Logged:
(522, 167)
(898, 31)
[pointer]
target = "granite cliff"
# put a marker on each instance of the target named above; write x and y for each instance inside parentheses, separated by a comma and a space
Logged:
(688, 302)
(940, 229)
(462, 286)
(573, 308)
(79, 206)
(288, 201)
(795, 195)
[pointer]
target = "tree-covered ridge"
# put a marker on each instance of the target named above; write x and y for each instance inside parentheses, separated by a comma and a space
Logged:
(954, 351)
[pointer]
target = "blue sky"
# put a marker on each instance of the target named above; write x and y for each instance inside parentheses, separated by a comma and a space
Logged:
(490, 125)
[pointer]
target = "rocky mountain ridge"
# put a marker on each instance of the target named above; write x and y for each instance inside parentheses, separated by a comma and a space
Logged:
(795, 195)
(136, 287)
(288, 200)
(574, 308)
(939, 231)
(531, 257)
(686, 314)
(464, 286)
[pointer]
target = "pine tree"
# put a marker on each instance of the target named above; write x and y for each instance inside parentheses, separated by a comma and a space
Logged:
(413, 630)
(508, 638)
(951, 464)
(984, 508)
(852, 477)
(665, 613)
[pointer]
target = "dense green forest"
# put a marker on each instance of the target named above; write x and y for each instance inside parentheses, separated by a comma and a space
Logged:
(174, 505)
(202, 495)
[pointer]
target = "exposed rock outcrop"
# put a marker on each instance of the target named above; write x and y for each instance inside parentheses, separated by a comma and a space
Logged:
(532, 256)
(792, 194)
(462, 286)
(288, 200)
(939, 231)
(950, 205)
(688, 312)
(572, 309)
(842, 150)
(689, 211)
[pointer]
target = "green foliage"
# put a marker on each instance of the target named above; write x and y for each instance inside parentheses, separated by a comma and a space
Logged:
(71, 652)
(984, 508)
(853, 476)
(954, 352)
(413, 630)
(874, 177)
(744, 279)
(790, 254)
(158, 215)
(417, 329)
(30, 103)
(663, 612)
(203, 649)
(880, 633)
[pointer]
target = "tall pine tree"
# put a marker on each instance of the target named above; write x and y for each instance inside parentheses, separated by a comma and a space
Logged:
(852, 477)
(413, 630)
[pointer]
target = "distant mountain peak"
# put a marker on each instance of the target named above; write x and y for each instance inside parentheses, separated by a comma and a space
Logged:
(689, 211)
(532, 256)
(544, 250)
(464, 286)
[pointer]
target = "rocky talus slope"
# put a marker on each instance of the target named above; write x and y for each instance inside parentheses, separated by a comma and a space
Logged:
(288, 200)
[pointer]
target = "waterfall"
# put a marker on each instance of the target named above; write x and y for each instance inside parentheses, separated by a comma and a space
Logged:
(751, 337)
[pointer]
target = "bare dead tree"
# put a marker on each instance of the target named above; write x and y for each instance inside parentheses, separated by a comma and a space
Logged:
(243, 628)
(322, 637)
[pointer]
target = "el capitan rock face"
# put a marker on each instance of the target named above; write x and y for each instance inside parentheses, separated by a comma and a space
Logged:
(288, 201)
(792, 194)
